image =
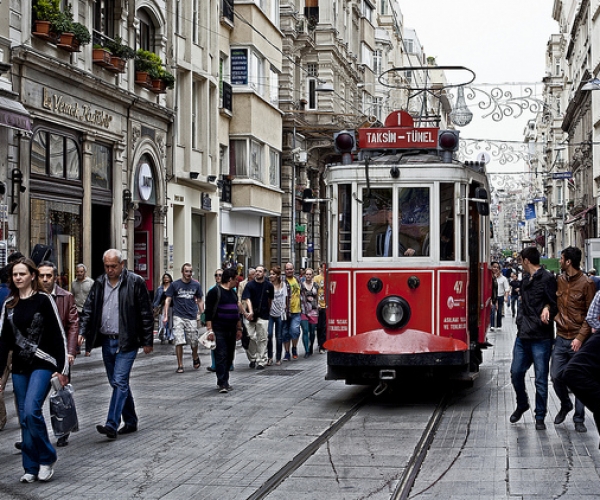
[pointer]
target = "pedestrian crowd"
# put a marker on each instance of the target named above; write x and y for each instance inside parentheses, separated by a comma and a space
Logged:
(43, 328)
(557, 320)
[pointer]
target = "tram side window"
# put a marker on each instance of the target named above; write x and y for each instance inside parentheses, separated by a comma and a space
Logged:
(344, 253)
(377, 224)
(447, 221)
(413, 221)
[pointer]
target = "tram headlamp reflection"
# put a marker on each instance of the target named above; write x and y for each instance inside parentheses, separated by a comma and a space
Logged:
(393, 312)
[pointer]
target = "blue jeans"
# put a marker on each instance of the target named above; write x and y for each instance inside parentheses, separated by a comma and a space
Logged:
(525, 353)
(291, 327)
(118, 366)
(497, 312)
(31, 391)
(561, 356)
(308, 335)
(277, 324)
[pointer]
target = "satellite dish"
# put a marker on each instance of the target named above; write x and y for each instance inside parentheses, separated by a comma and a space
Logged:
(484, 157)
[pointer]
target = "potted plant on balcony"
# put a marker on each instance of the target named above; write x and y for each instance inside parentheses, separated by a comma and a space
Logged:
(44, 12)
(146, 62)
(161, 80)
(71, 34)
(120, 52)
(101, 55)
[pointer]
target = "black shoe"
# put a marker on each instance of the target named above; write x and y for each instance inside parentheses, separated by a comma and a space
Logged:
(18, 445)
(210, 369)
(63, 441)
(107, 431)
(517, 414)
(561, 415)
(127, 429)
(580, 427)
(252, 364)
(260, 367)
(540, 425)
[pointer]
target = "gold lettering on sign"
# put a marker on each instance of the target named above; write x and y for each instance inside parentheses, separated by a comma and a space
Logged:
(84, 113)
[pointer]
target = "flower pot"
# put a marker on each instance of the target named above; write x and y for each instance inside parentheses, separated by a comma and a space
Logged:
(41, 29)
(117, 64)
(142, 78)
(158, 86)
(68, 42)
(101, 57)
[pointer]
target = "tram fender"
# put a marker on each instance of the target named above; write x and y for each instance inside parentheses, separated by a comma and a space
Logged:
(383, 341)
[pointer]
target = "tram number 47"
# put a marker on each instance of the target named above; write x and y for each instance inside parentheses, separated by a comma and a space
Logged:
(458, 287)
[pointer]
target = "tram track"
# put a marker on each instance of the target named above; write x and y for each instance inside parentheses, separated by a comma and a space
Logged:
(411, 468)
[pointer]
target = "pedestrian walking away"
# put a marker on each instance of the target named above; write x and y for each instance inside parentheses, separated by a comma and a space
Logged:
(31, 327)
(224, 325)
(117, 317)
(574, 295)
(188, 304)
(67, 311)
(535, 335)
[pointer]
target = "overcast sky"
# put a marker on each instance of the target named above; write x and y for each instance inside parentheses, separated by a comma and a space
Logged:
(502, 42)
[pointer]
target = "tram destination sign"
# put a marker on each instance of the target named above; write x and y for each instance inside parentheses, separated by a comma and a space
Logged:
(398, 138)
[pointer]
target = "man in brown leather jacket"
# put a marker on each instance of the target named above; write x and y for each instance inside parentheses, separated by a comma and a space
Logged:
(67, 311)
(575, 292)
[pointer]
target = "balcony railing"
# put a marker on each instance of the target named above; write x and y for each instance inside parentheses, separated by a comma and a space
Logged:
(227, 96)
(227, 10)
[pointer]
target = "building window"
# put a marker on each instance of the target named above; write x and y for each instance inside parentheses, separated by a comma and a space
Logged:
(274, 167)
(384, 7)
(223, 160)
(312, 93)
(256, 76)
(55, 155)
(274, 87)
(367, 11)
(147, 31)
(409, 45)
(256, 161)
(238, 157)
(195, 105)
(195, 14)
(377, 62)
(101, 166)
(275, 12)
(104, 17)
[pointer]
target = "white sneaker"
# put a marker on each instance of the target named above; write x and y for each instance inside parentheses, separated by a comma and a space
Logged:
(28, 478)
(46, 472)
(492, 328)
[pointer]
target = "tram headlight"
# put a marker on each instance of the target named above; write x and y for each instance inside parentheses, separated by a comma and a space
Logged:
(393, 312)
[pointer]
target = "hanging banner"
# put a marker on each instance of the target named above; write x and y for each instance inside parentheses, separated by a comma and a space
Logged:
(529, 211)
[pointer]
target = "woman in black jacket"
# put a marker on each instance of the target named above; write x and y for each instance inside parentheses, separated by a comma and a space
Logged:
(31, 328)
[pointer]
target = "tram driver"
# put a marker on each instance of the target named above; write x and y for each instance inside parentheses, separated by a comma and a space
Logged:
(382, 239)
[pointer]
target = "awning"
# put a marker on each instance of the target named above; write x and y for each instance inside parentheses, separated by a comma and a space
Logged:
(14, 115)
(580, 215)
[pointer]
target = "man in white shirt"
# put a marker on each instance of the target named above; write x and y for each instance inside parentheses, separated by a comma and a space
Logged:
(503, 290)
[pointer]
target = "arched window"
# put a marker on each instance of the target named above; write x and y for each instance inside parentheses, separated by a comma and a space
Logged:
(147, 30)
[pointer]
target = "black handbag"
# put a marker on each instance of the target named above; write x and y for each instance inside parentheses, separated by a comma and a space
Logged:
(63, 414)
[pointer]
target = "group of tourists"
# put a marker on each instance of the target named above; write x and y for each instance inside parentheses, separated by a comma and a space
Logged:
(569, 305)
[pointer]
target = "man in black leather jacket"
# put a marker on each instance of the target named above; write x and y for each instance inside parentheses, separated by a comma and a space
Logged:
(535, 336)
(117, 316)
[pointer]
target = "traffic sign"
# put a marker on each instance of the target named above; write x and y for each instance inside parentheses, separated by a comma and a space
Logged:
(562, 175)
(540, 200)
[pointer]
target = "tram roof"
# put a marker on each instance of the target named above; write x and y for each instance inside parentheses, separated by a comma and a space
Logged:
(422, 167)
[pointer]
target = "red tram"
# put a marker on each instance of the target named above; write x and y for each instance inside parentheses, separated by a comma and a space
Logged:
(409, 288)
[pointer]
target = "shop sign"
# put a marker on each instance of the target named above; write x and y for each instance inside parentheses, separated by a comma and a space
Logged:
(60, 105)
(239, 66)
(145, 181)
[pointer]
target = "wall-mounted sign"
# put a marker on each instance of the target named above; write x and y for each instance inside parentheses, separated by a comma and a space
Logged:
(239, 66)
(145, 181)
(206, 202)
(61, 105)
(562, 175)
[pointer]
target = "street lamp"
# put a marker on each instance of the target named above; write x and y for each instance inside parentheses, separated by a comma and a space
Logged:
(593, 84)
(324, 86)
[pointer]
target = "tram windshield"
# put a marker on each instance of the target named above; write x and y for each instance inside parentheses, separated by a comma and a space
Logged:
(396, 227)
